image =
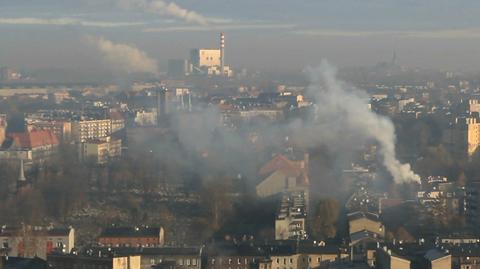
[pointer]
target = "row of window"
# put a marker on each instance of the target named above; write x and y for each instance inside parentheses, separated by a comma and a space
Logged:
(187, 262)
(239, 261)
(290, 260)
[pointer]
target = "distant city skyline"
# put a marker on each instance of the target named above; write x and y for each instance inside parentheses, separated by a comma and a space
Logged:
(265, 35)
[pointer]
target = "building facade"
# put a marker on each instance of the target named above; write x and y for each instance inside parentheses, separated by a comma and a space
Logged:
(59, 261)
(91, 129)
(37, 241)
(101, 150)
(132, 236)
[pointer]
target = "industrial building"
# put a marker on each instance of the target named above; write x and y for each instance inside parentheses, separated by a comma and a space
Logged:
(210, 61)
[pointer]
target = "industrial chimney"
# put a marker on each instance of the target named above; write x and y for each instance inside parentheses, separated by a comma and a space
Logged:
(222, 53)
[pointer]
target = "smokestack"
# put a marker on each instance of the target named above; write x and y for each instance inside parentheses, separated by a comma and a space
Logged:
(222, 53)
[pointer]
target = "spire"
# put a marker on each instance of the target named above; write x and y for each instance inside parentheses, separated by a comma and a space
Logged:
(21, 176)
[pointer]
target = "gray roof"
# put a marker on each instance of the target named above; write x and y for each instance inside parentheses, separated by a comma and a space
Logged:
(434, 254)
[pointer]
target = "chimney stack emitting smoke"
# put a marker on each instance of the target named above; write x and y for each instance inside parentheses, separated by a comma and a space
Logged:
(222, 53)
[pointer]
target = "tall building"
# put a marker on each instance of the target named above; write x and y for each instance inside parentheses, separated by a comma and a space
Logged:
(463, 138)
(91, 129)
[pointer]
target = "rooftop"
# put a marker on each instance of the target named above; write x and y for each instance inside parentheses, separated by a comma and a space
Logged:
(131, 232)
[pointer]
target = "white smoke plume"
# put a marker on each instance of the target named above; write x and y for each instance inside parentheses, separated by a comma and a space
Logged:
(344, 121)
(165, 9)
(124, 58)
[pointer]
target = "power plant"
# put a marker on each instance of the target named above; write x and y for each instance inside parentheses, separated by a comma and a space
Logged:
(203, 61)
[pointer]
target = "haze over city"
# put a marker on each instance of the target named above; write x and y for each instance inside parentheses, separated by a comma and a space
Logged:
(221, 134)
(268, 35)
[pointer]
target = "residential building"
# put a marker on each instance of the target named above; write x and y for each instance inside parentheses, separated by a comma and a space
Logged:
(69, 261)
(118, 121)
(61, 128)
(386, 259)
(233, 257)
(291, 218)
(472, 202)
(464, 136)
(101, 150)
(281, 175)
(91, 129)
(308, 257)
(145, 118)
(436, 259)
(132, 236)
(365, 221)
(35, 146)
(366, 231)
(170, 257)
(31, 241)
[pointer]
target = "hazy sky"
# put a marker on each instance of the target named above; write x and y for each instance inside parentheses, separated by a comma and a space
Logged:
(266, 34)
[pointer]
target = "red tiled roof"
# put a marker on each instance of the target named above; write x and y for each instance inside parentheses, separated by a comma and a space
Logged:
(35, 138)
(287, 167)
(280, 162)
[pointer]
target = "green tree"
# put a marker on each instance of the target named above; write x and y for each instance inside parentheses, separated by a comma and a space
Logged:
(325, 219)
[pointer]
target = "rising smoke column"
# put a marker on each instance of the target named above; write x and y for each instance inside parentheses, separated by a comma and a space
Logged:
(165, 9)
(124, 58)
(344, 121)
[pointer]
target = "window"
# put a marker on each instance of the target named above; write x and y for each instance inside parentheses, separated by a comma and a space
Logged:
(180, 262)
(152, 261)
(291, 260)
(229, 261)
(238, 261)
(278, 260)
(194, 261)
(213, 261)
(188, 261)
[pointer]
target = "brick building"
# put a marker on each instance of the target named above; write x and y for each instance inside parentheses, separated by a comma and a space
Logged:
(132, 236)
